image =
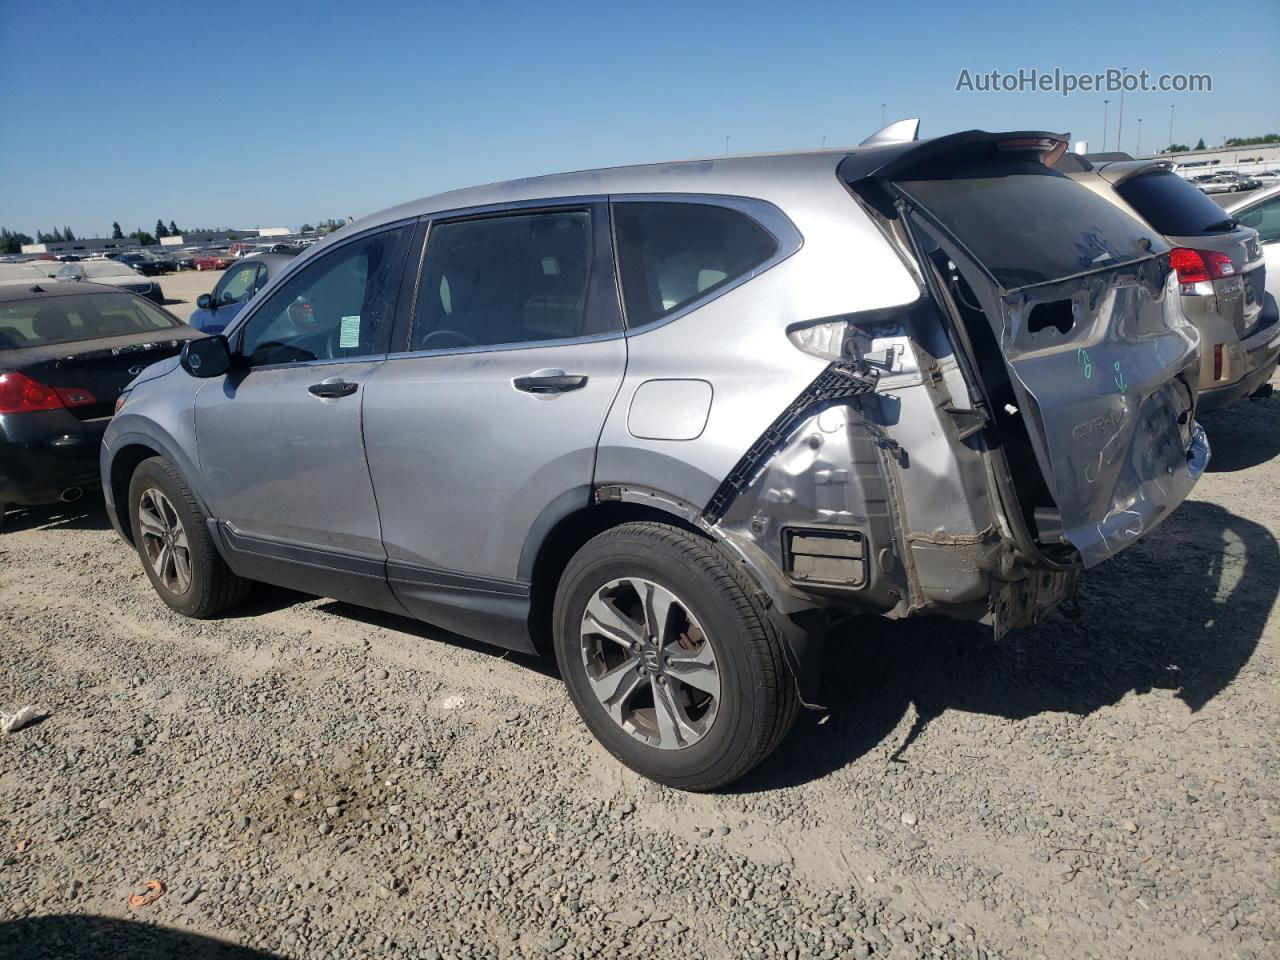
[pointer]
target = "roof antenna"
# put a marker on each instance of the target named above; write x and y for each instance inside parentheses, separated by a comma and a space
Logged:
(900, 131)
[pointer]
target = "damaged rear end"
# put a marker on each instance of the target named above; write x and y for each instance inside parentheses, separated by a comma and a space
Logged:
(1031, 414)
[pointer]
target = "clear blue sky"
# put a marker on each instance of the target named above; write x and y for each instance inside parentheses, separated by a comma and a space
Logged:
(269, 113)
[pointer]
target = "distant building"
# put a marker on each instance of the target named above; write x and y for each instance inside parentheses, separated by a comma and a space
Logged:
(107, 245)
(1264, 156)
(84, 245)
(227, 236)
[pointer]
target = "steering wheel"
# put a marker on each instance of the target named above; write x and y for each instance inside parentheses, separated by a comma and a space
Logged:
(428, 342)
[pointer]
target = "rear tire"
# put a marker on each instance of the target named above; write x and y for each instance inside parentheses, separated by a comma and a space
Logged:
(172, 537)
(670, 656)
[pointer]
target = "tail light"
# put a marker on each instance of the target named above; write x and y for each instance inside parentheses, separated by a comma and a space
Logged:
(20, 394)
(1217, 361)
(1199, 266)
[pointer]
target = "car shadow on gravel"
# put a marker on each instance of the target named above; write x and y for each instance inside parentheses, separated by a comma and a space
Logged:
(87, 937)
(85, 514)
(265, 598)
(1243, 435)
(1182, 610)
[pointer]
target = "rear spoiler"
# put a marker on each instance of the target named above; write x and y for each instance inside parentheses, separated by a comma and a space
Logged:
(864, 170)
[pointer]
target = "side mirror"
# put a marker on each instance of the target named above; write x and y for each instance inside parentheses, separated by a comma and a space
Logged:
(205, 301)
(207, 357)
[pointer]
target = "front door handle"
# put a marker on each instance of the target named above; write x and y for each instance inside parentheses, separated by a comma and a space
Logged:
(333, 388)
(549, 381)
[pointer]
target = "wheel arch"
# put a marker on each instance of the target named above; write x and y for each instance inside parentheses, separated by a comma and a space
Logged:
(543, 559)
(124, 463)
(121, 458)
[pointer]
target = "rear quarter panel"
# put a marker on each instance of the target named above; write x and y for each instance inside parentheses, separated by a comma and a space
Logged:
(738, 342)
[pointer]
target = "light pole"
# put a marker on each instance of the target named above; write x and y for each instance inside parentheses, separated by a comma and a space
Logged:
(1171, 106)
(1138, 146)
(726, 145)
(1120, 122)
(1106, 106)
(882, 106)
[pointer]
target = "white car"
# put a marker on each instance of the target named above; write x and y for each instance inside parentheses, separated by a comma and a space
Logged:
(1261, 210)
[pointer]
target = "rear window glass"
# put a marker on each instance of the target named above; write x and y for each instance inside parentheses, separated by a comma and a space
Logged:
(1027, 225)
(1173, 206)
(670, 254)
(39, 322)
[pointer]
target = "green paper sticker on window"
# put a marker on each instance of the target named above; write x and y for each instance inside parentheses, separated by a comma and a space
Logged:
(349, 336)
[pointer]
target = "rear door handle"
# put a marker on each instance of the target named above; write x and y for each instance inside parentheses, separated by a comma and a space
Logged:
(333, 388)
(549, 381)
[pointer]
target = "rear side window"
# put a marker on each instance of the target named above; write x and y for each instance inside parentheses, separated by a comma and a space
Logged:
(1173, 206)
(670, 254)
(515, 279)
(1026, 224)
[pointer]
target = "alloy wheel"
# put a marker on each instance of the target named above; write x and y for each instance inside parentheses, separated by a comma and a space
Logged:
(164, 540)
(650, 664)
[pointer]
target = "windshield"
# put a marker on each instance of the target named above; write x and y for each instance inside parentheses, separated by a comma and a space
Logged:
(46, 320)
(1027, 225)
(1173, 206)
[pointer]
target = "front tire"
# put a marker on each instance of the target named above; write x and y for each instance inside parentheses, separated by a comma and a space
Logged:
(670, 656)
(172, 538)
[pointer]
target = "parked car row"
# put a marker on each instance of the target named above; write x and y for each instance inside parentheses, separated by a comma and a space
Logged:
(1229, 181)
(679, 421)
(107, 272)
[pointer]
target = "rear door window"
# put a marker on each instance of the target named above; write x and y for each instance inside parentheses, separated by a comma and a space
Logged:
(672, 254)
(1173, 206)
(1027, 225)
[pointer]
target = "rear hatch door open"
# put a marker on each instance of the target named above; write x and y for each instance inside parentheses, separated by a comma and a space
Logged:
(1085, 313)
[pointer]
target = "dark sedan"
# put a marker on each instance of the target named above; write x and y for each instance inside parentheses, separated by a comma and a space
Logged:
(66, 352)
(142, 263)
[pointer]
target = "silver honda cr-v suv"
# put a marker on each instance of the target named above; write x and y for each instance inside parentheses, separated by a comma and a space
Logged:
(665, 420)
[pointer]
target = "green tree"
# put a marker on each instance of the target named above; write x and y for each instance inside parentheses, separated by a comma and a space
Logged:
(1200, 144)
(11, 241)
(161, 229)
(116, 232)
(173, 229)
(1251, 141)
(67, 234)
(306, 228)
(144, 239)
(1176, 148)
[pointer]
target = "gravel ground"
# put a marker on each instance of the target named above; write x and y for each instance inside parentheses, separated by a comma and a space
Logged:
(310, 780)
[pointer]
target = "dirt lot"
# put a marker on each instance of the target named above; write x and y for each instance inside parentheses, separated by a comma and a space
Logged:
(311, 780)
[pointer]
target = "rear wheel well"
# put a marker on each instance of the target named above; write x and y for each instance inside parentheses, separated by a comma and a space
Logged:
(123, 465)
(565, 539)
